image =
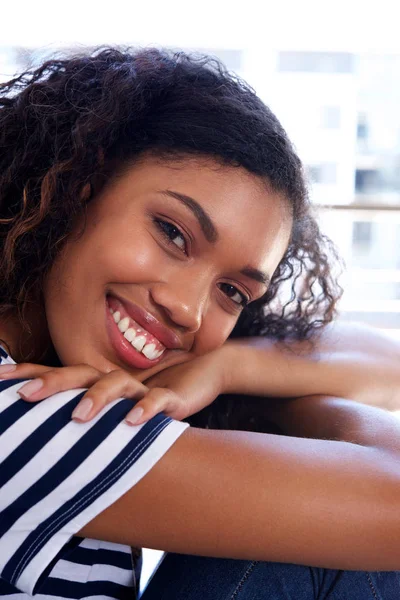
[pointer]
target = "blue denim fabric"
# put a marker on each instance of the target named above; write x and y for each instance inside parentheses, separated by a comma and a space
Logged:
(196, 578)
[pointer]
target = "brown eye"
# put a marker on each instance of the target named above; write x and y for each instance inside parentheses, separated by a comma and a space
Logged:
(172, 233)
(233, 294)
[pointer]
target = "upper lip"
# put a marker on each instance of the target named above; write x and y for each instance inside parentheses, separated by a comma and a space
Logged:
(168, 338)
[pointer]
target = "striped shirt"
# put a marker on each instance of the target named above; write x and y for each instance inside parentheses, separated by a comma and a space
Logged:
(55, 477)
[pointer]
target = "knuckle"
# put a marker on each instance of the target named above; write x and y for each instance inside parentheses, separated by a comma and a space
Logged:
(99, 399)
(103, 381)
(99, 394)
(27, 368)
(52, 378)
(127, 381)
(164, 394)
(89, 370)
(118, 376)
(102, 386)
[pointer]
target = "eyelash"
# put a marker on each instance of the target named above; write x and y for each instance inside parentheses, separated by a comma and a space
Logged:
(171, 232)
(244, 300)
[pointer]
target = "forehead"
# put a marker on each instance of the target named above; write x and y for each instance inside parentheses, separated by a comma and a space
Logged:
(251, 218)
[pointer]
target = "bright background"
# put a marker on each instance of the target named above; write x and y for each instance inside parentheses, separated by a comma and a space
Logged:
(330, 70)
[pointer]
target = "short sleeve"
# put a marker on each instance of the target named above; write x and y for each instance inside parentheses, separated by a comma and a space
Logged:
(57, 475)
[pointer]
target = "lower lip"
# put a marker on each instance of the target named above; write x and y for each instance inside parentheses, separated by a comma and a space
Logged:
(125, 351)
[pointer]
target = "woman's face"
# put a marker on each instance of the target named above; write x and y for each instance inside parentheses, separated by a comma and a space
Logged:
(170, 254)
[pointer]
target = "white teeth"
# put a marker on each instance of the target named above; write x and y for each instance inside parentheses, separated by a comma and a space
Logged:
(123, 324)
(139, 342)
(149, 350)
(130, 334)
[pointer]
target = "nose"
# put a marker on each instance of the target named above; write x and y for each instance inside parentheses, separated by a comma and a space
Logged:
(184, 303)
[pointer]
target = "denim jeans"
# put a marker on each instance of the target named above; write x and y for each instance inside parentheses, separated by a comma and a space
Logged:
(182, 577)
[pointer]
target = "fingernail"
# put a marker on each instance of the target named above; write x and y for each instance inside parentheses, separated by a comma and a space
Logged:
(134, 415)
(30, 388)
(82, 411)
(7, 369)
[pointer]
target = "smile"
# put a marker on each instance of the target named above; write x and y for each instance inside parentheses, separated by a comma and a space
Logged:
(137, 336)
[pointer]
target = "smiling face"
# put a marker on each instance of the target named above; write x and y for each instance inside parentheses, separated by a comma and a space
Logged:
(169, 256)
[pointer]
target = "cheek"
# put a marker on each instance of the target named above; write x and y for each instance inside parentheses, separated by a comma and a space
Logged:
(131, 256)
(126, 262)
(79, 279)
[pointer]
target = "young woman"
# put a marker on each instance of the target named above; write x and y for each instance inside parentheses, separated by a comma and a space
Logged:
(151, 207)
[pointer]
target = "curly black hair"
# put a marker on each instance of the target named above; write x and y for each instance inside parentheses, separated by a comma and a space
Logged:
(75, 120)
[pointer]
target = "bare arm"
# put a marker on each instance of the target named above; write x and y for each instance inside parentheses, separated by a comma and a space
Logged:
(346, 360)
(332, 504)
(336, 419)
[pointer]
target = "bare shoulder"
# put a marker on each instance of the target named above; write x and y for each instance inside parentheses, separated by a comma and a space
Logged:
(357, 338)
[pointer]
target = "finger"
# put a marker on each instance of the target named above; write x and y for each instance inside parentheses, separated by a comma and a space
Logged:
(22, 371)
(117, 384)
(155, 401)
(57, 380)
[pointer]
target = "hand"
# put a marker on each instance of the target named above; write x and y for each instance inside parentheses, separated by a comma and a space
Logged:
(194, 384)
(179, 391)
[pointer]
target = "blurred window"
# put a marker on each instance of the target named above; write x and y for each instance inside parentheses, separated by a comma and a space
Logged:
(362, 128)
(362, 233)
(367, 180)
(316, 62)
(330, 117)
(325, 173)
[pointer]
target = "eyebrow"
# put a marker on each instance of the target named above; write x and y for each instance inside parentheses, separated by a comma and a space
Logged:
(207, 226)
(210, 231)
(257, 275)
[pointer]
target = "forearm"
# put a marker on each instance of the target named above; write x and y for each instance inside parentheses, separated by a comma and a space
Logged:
(232, 494)
(349, 362)
(336, 419)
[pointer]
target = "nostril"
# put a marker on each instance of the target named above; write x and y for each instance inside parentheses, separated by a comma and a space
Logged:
(183, 309)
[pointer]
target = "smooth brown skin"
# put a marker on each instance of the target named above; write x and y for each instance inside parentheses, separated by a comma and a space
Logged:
(234, 494)
(123, 252)
(266, 497)
(346, 360)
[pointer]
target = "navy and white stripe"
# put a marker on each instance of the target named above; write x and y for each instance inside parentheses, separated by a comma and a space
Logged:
(56, 476)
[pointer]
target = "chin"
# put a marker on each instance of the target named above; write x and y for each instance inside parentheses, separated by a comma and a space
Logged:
(107, 364)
